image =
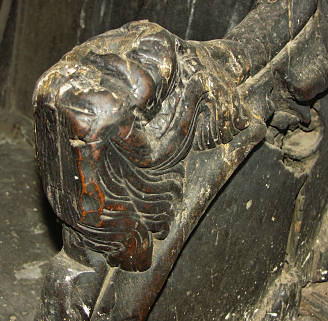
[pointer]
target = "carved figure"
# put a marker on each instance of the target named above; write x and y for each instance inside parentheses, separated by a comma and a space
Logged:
(137, 130)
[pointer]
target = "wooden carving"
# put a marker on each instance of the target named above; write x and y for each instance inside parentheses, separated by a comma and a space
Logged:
(137, 130)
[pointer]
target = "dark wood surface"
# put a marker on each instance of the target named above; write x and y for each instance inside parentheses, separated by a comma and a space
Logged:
(136, 132)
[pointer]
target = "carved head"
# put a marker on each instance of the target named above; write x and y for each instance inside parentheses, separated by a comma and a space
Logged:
(139, 86)
(117, 112)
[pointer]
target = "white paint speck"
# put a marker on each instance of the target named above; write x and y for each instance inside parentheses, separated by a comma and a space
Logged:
(76, 177)
(30, 271)
(249, 204)
(275, 269)
(64, 88)
(39, 228)
(70, 71)
(306, 259)
(217, 239)
(86, 309)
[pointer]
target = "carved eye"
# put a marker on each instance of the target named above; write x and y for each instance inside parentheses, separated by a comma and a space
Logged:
(179, 47)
